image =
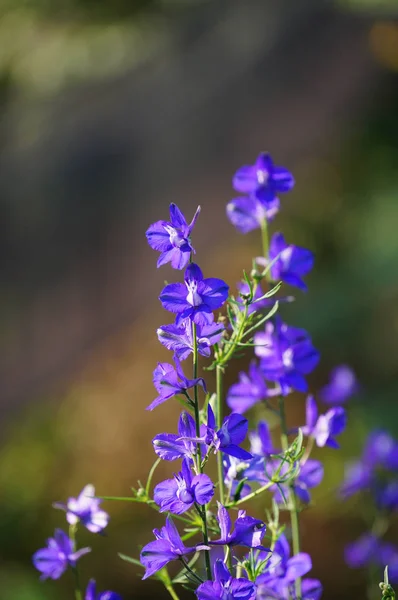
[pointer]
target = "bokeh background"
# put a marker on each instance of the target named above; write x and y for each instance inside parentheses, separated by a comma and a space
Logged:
(110, 110)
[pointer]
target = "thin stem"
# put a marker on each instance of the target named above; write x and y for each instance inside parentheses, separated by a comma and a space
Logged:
(294, 520)
(252, 495)
(265, 244)
(78, 591)
(188, 568)
(220, 468)
(172, 592)
(198, 448)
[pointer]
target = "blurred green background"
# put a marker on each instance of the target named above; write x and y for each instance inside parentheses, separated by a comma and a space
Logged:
(110, 110)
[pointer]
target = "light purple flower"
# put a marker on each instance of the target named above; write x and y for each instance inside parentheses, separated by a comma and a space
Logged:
(261, 441)
(286, 354)
(247, 531)
(263, 180)
(168, 546)
(342, 386)
(173, 238)
(59, 554)
(226, 587)
(178, 338)
(179, 494)
(361, 552)
(234, 473)
(248, 212)
(91, 593)
(197, 298)
(171, 446)
(86, 510)
(250, 390)
(323, 428)
(171, 381)
(293, 263)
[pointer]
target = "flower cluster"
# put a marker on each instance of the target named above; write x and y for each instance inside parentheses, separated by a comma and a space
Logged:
(212, 522)
(375, 476)
(61, 552)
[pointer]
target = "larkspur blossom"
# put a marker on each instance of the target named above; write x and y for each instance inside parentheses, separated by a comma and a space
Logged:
(263, 180)
(286, 354)
(181, 493)
(261, 441)
(234, 473)
(323, 428)
(170, 381)
(173, 238)
(168, 546)
(178, 338)
(291, 262)
(226, 587)
(171, 446)
(248, 213)
(342, 386)
(59, 554)
(91, 593)
(86, 510)
(250, 390)
(247, 531)
(197, 298)
(227, 439)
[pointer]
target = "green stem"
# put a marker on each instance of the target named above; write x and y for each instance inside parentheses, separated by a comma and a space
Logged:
(220, 468)
(172, 591)
(294, 520)
(78, 591)
(252, 495)
(198, 449)
(265, 244)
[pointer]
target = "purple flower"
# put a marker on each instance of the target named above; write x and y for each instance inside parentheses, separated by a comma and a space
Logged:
(53, 561)
(342, 385)
(248, 213)
(179, 338)
(86, 510)
(171, 446)
(168, 546)
(380, 452)
(361, 552)
(170, 381)
(250, 390)
(293, 262)
(91, 593)
(387, 496)
(247, 531)
(263, 180)
(179, 494)
(261, 441)
(282, 571)
(234, 472)
(323, 428)
(287, 354)
(197, 298)
(172, 238)
(227, 439)
(226, 587)
(310, 475)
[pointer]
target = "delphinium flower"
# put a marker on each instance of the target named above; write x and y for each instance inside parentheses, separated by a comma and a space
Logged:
(227, 439)
(234, 474)
(263, 180)
(323, 428)
(173, 238)
(197, 298)
(86, 510)
(248, 212)
(59, 554)
(250, 390)
(286, 354)
(261, 441)
(178, 338)
(179, 494)
(168, 546)
(91, 593)
(172, 446)
(226, 587)
(171, 381)
(247, 531)
(380, 453)
(291, 262)
(342, 386)
(281, 572)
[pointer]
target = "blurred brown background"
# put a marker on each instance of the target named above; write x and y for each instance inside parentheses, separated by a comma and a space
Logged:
(112, 109)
